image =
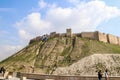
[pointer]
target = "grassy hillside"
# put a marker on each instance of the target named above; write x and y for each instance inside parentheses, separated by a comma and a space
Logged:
(45, 57)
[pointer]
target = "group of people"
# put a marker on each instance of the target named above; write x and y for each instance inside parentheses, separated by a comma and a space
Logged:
(100, 75)
(2, 70)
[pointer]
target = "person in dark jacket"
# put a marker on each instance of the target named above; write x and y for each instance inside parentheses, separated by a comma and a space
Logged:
(2, 70)
(99, 75)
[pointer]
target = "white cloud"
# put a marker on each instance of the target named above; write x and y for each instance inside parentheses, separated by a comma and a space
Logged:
(24, 35)
(31, 25)
(84, 16)
(74, 1)
(8, 50)
(42, 4)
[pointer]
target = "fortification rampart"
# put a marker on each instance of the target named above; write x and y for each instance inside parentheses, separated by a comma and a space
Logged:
(102, 37)
(53, 34)
(90, 35)
(112, 39)
(68, 32)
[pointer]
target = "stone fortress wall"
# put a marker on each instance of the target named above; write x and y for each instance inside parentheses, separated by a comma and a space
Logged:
(90, 35)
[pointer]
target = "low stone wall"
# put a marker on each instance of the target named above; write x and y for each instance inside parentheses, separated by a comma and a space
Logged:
(60, 77)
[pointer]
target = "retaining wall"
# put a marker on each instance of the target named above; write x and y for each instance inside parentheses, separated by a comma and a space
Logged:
(60, 77)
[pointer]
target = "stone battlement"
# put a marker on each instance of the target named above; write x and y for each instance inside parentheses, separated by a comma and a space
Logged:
(112, 39)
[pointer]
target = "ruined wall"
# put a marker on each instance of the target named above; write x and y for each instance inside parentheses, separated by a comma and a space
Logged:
(35, 39)
(102, 37)
(77, 34)
(52, 34)
(90, 35)
(112, 39)
(63, 35)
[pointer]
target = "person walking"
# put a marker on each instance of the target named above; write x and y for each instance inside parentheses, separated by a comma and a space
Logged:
(99, 75)
(3, 71)
(106, 74)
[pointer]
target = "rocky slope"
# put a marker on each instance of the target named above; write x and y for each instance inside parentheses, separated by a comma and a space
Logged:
(91, 64)
(76, 56)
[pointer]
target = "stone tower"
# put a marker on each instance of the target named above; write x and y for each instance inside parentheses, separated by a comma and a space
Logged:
(68, 32)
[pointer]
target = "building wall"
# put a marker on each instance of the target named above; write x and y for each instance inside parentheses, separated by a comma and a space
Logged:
(112, 39)
(90, 35)
(102, 37)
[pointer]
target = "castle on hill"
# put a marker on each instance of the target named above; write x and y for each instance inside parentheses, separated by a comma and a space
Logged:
(109, 38)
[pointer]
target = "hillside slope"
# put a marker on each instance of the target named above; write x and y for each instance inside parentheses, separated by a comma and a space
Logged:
(91, 64)
(47, 57)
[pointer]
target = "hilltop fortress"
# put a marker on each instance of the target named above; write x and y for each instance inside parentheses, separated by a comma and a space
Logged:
(112, 39)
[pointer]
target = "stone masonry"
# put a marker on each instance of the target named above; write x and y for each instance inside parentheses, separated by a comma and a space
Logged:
(68, 32)
(90, 35)
(112, 39)
(102, 37)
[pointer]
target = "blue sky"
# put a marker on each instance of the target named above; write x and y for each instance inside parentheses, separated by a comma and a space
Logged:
(21, 20)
